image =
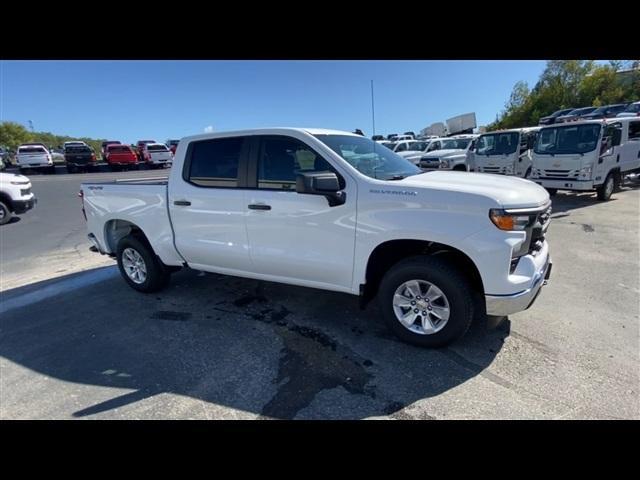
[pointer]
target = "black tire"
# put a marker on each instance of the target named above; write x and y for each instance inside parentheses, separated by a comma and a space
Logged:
(552, 191)
(22, 171)
(52, 170)
(71, 169)
(158, 275)
(448, 279)
(5, 214)
(459, 168)
(606, 189)
(113, 168)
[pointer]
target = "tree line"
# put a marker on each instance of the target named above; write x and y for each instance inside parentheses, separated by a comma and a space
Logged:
(566, 84)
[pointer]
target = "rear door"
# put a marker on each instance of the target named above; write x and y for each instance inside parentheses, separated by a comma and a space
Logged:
(297, 236)
(208, 207)
(630, 146)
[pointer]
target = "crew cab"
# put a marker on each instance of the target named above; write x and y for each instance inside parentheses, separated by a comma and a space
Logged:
(450, 153)
(16, 196)
(157, 155)
(121, 156)
(506, 152)
(34, 156)
(79, 158)
(332, 210)
(587, 155)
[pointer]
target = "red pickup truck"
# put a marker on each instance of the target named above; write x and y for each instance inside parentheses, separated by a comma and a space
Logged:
(121, 156)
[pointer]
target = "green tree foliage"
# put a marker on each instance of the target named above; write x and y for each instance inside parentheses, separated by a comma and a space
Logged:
(566, 84)
(13, 134)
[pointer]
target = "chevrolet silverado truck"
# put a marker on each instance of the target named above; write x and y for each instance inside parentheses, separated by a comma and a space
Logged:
(332, 210)
(16, 196)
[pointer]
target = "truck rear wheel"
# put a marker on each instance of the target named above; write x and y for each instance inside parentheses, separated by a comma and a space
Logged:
(426, 301)
(140, 266)
(606, 189)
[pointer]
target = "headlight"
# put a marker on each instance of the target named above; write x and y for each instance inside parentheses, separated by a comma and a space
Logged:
(444, 163)
(586, 171)
(20, 183)
(509, 222)
(535, 173)
(508, 169)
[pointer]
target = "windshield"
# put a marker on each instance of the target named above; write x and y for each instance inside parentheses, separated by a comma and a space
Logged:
(572, 139)
(455, 143)
(418, 146)
(369, 157)
(497, 144)
(634, 107)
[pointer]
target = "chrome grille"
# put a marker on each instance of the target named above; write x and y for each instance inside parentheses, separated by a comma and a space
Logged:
(560, 174)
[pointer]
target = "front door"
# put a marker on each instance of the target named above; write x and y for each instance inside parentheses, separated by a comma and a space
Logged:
(297, 236)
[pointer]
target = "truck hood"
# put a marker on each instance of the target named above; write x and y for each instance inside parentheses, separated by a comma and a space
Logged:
(12, 177)
(508, 192)
(444, 153)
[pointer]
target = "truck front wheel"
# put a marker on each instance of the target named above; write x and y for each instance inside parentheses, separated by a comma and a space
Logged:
(606, 189)
(139, 265)
(426, 301)
(5, 214)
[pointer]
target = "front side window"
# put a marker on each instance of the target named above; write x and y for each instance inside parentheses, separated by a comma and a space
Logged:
(369, 158)
(497, 144)
(281, 159)
(401, 147)
(214, 163)
(572, 139)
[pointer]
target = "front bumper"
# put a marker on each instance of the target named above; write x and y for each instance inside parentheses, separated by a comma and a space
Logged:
(501, 305)
(565, 184)
(22, 206)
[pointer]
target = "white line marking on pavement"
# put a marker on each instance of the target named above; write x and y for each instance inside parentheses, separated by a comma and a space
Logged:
(62, 286)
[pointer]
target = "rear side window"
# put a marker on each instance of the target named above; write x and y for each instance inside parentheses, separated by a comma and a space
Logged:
(214, 163)
(634, 130)
(281, 159)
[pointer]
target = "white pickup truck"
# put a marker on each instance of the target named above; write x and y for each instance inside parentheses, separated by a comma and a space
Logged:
(16, 196)
(332, 210)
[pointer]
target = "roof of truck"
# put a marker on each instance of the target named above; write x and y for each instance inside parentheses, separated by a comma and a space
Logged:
(272, 131)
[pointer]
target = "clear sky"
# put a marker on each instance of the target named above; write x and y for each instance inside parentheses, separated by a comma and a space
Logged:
(132, 100)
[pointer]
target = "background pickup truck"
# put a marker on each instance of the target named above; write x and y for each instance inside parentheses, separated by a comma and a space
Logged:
(332, 210)
(79, 158)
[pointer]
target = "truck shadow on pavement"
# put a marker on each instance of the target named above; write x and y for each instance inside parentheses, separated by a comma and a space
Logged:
(273, 350)
(565, 201)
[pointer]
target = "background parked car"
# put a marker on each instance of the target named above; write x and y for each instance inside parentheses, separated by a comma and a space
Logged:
(632, 110)
(607, 111)
(79, 158)
(550, 119)
(377, 138)
(172, 144)
(103, 150)
(121, 156)
(34, 156)
(575, 115)
(140, 148)
(157, 155)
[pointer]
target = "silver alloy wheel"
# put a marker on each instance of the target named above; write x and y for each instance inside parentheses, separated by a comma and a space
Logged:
(608, 188)
(421, 307)
(2, 213)
(134, 265)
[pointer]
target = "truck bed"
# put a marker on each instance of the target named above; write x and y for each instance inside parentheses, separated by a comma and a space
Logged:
(112, 208)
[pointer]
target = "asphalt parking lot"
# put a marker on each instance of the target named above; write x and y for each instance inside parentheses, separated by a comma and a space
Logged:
(77, 342)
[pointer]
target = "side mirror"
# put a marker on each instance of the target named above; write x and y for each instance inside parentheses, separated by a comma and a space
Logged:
(321, 183)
